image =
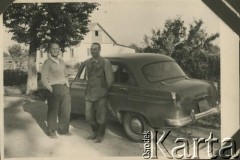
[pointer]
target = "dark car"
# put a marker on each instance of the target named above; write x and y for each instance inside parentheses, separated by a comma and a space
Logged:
(150, 91)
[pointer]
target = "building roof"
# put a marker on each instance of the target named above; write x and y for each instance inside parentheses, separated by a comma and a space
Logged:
(92, 25)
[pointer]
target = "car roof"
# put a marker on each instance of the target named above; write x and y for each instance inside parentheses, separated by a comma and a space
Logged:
(135, 62)
(140, 57)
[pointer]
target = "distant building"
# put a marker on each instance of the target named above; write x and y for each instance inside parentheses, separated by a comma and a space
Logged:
(9, 63)
(81, 52)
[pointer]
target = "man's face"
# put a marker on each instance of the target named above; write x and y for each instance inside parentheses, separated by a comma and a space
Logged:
(54, 50)
(95, 50)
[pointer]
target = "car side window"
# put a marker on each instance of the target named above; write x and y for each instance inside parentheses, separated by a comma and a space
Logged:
(121, 75)
(82, 75)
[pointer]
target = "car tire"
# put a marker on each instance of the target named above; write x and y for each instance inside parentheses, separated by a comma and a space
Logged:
(134, 125)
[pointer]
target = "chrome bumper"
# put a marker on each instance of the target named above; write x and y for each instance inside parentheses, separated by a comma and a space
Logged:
(190, 119)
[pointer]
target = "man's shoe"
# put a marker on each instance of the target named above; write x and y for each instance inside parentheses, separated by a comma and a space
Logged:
(100, 133)
(98, 139)
(92, 136)
(64, 133)
(52, 135)
(68, 134)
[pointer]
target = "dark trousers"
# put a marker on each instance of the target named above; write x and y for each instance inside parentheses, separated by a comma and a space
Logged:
(59, 107)
(96, 115)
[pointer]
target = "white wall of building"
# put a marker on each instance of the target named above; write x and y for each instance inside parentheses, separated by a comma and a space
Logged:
(81, 52)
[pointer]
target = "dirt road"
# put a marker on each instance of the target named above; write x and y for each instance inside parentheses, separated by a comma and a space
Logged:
(25, 135)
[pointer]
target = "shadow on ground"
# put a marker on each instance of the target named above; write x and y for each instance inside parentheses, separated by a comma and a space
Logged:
(112, 126)
(25, 134)
(17, 126)
(38, 110)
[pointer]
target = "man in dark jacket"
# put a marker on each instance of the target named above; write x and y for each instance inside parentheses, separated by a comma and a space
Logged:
(99, 80)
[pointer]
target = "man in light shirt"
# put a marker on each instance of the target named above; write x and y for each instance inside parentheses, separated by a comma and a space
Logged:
(54, 78)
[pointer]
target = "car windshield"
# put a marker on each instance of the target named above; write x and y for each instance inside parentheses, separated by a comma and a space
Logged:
(162, 70)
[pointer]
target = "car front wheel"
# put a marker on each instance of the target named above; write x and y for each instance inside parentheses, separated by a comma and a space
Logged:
(134, 125)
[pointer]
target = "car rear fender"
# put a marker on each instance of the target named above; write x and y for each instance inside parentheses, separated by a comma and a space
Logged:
(153, 105)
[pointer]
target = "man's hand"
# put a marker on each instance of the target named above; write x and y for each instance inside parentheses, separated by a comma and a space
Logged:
(67, 83)
(50, 89)
(108, 73)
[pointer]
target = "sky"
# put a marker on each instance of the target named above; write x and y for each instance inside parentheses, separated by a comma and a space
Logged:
(127, 21)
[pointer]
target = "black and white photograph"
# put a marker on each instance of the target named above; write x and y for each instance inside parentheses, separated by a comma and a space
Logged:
(131, 79)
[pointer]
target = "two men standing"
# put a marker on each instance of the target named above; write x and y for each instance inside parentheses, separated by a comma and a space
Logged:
(99, 80)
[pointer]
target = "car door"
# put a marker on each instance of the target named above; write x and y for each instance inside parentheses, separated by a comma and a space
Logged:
(119, 90)
(78, 87)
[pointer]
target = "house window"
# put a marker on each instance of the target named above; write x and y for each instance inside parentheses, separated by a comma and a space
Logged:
(96, 33)
(97, 36)
(72, 52)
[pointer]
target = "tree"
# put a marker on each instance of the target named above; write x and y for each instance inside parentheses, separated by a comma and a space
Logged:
(37, 24)
(193, 49)
(136, 47)
(166, 41)
(18, 54)
(199, 53)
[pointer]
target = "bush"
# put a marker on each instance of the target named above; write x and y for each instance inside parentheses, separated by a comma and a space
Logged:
(213, 121)
(42, 93)
(14, 77)
(14, 90)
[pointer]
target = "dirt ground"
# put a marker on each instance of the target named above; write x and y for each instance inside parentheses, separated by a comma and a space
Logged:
(25, 135)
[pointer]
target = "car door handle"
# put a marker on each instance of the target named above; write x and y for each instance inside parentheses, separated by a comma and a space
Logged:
(123, 89)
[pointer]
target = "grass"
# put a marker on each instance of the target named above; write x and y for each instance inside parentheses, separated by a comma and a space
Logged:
(213, 121)
(14, 90)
